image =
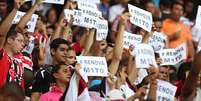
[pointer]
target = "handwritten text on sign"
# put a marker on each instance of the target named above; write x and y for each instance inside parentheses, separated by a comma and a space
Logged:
(93, 66)
(140, 17)
(31, 24)
(165, 91)
(157, 41)
(131, 39)
(102, 29)
(144, 56)
(89, 21)
(51, 1)
(198, 18)
(87, 5)
(173, 56)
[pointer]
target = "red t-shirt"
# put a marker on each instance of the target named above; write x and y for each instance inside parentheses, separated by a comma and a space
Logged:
(11, 70)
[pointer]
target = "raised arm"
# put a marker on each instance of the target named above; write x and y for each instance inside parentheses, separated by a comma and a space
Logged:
(7, 23)
(89, 41)
(153, 74)
(118, 49)
(132, 70)
(21, 25)
(191, 81)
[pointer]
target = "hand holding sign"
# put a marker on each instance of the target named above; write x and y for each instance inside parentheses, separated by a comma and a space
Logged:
(144, 56)
(18, 3)
(140, 17)
(93, 66)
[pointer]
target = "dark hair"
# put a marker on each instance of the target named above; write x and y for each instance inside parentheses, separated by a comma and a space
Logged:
(177, 2)
(12, 32)
(54, 9)
(42, 18)
(56, 68)
(56, 42)
(166, 3)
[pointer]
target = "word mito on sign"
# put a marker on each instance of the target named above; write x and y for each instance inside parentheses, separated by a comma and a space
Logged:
(173, 56)
(165, 91)
(198, 18)
(144, 56)
(157, 41)
(102, 29)
(140, 17)
(131, 39)
(31, 23)
(50, 1)
(93, 66)
(85, 20)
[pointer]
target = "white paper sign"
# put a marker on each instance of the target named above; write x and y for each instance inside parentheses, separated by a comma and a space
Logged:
(85, 20)
(198, 18)
(87, 5)
(31, 23)
(50, 1)
(131, 39)
(29, 48)
(93, 66)
(173, 56)
(165, 91)
(91, 1)
(142, 73)
(68, 13)
(102, 29)
(90, 12)
(144, 56)
(140, 17)
(157, 41)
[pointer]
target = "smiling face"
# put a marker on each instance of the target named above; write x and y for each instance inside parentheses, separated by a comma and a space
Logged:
(163, 74)
(60, 54)
(71, 57)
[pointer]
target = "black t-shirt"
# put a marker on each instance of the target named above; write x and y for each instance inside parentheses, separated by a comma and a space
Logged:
(43, 79)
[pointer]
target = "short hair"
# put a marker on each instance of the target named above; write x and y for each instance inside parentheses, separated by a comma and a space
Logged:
(58, 41)
(42, 18)
(56, 68)
(12, 32)
(177, 2)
